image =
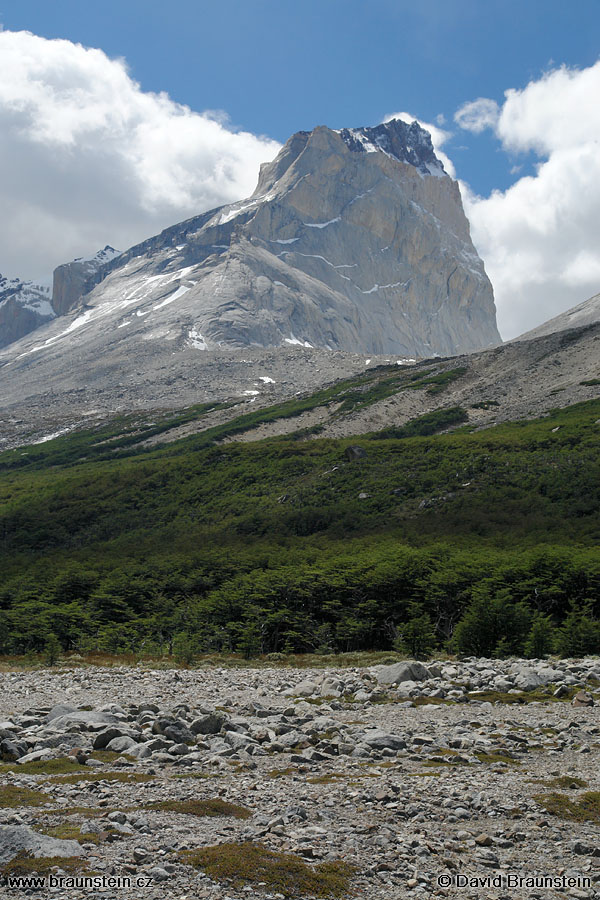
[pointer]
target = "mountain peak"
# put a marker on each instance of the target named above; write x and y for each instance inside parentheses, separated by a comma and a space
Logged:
(408, 143)
(404, 142)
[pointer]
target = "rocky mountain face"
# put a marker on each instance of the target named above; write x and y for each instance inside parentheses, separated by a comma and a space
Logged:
(586, 313)
(75, 279)
(24, 306)
(353, 240)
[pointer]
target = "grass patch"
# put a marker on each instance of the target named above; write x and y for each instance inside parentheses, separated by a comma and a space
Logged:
(68, 832)
(108, 756)
(25, 864)
(423, 774)
(426, 701)
(427, 424)
(213, 807)
(125, 777)
(249, 863)
(585, 808)
(435, 384)
(496, 757)
(543, 695)
(64, 765)
(567, 781)
(196, 775)
(11, 796)
(283, 773)
(484, 404)
(90, 812)
(329, 778)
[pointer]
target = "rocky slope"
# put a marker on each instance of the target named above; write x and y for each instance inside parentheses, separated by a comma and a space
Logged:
(586, 313)
(24, 306)
(416, 775)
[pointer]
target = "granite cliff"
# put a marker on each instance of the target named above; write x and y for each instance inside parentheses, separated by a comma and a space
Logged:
(354, 240)
(73, 280)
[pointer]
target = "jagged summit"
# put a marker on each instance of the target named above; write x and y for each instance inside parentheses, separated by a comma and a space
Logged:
(408, 143)
(102, 256)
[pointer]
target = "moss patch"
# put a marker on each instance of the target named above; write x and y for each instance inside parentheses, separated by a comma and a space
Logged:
(126, 777)
(109, 756)
(25, 864)
(496, 756)
(67, 832)
(61, 766)
(567, 781)
(543, 695)
(328, 778)
(196, 775)
(90, 812)
(585, 808)
(283, 773)
(17, 796)
(213, 807)
(249, 863)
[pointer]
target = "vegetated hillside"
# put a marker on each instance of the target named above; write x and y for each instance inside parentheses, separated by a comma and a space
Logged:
(300, 544)
(514, 381)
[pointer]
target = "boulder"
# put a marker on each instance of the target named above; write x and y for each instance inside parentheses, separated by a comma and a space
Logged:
(104, 738)
(582, 698)
(121, 744)
(93, 720)
(12, 750)
(380, 740)
(306, 688)
(15, 839)
(211, 723)
(179, 733)
(34, 756)
(407, 670)
(332, 687)
(527, 679)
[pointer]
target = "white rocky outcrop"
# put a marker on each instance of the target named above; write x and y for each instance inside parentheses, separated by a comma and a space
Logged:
(24, 306)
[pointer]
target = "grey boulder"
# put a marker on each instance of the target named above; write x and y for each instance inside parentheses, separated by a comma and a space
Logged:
(17, 838)
(407, 670)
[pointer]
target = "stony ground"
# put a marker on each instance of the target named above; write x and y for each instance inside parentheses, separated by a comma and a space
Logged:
(421, 776)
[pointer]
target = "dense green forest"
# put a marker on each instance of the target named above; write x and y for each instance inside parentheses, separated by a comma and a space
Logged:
(481, 541)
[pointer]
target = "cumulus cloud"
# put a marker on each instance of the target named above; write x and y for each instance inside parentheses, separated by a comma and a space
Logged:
(477, 115)
(539, 238)
(438, 137)
(88, 158)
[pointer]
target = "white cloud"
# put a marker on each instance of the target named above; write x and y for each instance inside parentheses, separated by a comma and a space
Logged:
(88, 158)
(539, 238)
(477, 115)
(438, 137)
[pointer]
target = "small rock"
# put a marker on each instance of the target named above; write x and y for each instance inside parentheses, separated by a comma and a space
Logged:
(582, 698)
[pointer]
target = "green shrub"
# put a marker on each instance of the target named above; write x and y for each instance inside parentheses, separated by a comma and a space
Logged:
(493, 625)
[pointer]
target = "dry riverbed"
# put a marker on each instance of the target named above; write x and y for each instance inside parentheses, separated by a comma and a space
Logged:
(412, 780)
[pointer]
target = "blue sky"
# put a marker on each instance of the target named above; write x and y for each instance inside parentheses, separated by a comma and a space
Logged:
(277, 66)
